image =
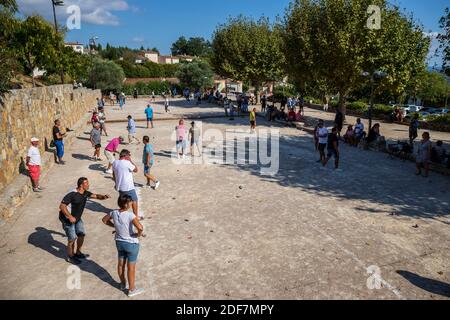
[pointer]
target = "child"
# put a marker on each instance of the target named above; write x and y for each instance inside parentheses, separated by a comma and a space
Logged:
(253, 120)
(127, 242)
(181, 138)
(349, 136)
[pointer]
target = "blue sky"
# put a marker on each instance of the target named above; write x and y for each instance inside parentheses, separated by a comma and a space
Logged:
(156, 23)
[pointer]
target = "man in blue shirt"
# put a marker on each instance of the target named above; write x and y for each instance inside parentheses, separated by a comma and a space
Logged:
(132, 131)
(149, 113)
(148, 159)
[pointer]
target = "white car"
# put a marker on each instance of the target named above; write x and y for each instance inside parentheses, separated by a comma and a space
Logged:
(412, 108)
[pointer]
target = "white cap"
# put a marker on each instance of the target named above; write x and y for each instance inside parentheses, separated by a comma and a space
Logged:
(34, 139)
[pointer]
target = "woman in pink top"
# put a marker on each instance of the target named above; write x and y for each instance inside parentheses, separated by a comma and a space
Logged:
(111, 150)
(181, 138)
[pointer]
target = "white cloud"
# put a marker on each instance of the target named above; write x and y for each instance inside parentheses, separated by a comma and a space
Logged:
(431, 34)
(138, 39)
(101, 12)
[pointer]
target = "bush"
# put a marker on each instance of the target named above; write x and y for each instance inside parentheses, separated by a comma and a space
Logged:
(382, 109)
(147, 88)
(444, 119)
(357, 105)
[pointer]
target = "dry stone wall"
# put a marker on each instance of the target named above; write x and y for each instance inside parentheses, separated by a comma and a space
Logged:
(31, 112)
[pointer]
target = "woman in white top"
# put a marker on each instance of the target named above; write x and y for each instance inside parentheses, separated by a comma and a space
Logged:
(127, 241)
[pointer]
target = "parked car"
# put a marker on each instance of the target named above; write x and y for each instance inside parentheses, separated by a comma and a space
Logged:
(412, 108)
(445, 111)
(431, 110)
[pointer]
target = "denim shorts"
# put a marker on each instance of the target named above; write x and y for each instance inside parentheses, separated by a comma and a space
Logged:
(131, 193)
(181, 144)
(127, 251)
(147, 169)
(73, 231)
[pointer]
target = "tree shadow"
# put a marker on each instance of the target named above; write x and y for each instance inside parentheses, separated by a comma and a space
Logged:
(430, 285)
(370, 179)
(84, 138)
(43, 239)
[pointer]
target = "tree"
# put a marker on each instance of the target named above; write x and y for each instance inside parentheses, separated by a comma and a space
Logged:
(329, 41)
(8, 61)
(197, 74)
(444, 39)
(431, 87)
(247, 50)
(197, 47)
(36, 44)
(106, 75)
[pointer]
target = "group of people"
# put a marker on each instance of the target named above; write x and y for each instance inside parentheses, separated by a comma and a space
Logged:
(119, 98)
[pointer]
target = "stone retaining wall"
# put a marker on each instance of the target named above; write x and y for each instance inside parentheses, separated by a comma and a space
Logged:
(31, 112)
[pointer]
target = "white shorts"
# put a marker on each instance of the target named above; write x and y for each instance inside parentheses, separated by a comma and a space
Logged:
(110, 156)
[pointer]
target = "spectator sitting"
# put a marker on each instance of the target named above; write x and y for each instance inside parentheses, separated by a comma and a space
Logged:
(359, 130)
(375, 139)
(298, 116)
(291, 115)
(349, 136)
(438, 153)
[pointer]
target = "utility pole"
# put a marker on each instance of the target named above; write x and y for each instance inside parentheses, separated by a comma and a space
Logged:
(54, 4)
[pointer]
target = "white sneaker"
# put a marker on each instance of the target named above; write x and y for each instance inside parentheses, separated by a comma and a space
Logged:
(109, 171)
(157, 184)
(135, 292)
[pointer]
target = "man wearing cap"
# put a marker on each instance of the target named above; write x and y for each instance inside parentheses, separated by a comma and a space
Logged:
(34, 164)
(111, 150)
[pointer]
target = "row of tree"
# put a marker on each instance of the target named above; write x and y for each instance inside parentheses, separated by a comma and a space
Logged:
(325, 45)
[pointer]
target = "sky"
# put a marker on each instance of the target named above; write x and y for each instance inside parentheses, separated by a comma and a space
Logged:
(159, 23)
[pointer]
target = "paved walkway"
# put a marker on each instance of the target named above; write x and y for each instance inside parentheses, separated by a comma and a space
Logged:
(220, 231)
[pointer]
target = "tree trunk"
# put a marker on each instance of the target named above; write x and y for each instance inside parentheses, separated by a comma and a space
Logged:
(342, 101)
(32, 79)
(257, 93)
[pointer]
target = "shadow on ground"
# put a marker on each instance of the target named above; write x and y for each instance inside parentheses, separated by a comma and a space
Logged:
(430, 285)
(43, 239)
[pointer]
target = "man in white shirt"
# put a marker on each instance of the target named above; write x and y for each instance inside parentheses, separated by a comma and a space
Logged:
(359, 129)
(322, 134)
(123, 170)
(34, 164)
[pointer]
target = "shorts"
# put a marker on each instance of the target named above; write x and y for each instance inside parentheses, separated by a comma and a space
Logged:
(34, 171)
(127, 251)
(332, 153)
(98, 146)
(73, 231)
(149, 119)
(252, 123)
(110, 156)
(322, 147)
(181, 144)
(131, 193)
(147, 169)
(195, 141)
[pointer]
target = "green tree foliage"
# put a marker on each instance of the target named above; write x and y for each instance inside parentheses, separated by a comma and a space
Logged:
(158, 87)
(148, 70)
(106, 75)
(195, 75)
(328, 41)
(248, 50)
(197, 47)
(431, 87)
(8, 61)
(36, 44)
(444, 39)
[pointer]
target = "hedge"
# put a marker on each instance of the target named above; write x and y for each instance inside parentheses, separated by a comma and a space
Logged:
(158, 87)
